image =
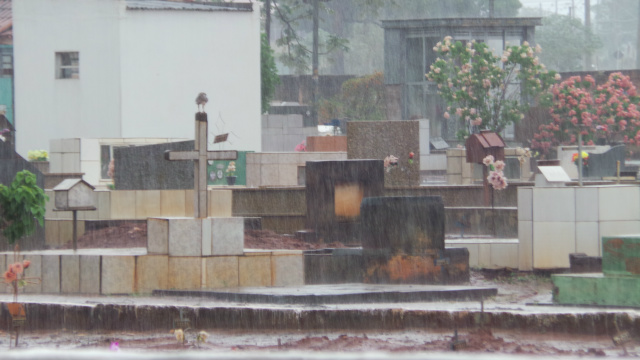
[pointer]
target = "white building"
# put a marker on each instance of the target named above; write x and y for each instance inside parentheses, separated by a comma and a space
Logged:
(133, 68)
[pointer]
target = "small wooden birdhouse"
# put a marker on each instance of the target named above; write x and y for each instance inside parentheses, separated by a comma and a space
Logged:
(483, 144)
(74, 194)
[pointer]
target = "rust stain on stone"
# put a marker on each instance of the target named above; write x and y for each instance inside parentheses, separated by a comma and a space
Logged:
(633, 265)
(613, 247)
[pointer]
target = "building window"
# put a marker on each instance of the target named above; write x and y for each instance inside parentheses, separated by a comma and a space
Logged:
(67, 65)
(6, 63)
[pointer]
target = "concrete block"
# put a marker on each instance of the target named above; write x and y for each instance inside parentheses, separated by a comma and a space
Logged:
(71, 145)
(525, 204)
(50, 274)
(71, 162)
(185, 236)
(52, 233)
(221, 272)
(287, 174)
(454, 179)
(270, 174)
(616, 228)
(33, 273)
(123, 204)
(152, 273)
(90, 274)
(55, 146)
(269, 158)
(185, 273)
(147, 203)
(552, 244)
(554, 205)
(586, 204)
(254, 270)
(55, 162)
(287, 270)
(454, 165)
(525, 245)
(50, 205)
(70, 274)
(227, 236)
(90, 149)
(103, 204)
(587, 240)
(188, 203)
(618, 203)
(158, 236)
(118, 273)
(504, 255)
(484, 256)
(172, 203)
(220, 203)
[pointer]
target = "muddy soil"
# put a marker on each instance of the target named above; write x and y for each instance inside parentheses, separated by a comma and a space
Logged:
(128, 235)
(474, 341)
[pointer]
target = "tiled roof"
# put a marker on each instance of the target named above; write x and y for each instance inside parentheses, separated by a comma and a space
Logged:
(6, 20)
(187, 5)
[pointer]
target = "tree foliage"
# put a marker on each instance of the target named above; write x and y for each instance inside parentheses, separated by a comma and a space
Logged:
(268, 73)
(609, 111)
(360, 99)
(565, 41)
(487, 91)
(22, 204)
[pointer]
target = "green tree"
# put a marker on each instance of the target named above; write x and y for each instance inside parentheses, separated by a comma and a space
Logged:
(22, 204)
(565, 41)
(268, 72)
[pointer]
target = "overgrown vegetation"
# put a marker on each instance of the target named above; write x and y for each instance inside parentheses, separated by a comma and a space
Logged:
(22, 204)
(361, 98)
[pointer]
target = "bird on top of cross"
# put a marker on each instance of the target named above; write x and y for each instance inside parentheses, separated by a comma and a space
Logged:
(201, 100)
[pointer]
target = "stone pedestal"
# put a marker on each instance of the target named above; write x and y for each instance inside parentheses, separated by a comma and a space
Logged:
(195, 236)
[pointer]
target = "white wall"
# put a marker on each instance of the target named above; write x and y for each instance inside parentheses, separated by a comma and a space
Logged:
(48, 108)
(168, 57)
(140, 72)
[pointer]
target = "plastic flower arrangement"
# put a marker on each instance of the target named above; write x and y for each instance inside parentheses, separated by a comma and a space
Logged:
(16, 279)
(496, 176)
(38, 155)
(231, 169)
(585, 159)
(390, 162)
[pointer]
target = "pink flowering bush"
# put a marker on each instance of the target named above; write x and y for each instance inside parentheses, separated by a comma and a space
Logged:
(608, 112)
(481, 88)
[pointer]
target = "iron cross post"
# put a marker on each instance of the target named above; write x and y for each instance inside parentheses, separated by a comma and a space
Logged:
(200, 156)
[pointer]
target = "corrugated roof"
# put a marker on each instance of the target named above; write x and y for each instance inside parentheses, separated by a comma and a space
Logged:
(6, 19)
(187, 5)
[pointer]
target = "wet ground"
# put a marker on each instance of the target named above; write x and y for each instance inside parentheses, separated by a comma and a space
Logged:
(519, 294)
(478, 340)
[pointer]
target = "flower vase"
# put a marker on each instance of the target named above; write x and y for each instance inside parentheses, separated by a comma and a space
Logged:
(231, 180)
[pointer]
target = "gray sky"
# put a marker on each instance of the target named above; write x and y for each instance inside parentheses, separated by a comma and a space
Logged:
(563, 6)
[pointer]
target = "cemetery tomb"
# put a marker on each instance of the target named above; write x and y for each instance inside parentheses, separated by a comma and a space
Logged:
(403, 242)
(617, 285)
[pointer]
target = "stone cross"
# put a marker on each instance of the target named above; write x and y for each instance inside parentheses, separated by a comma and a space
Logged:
(200, 156)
